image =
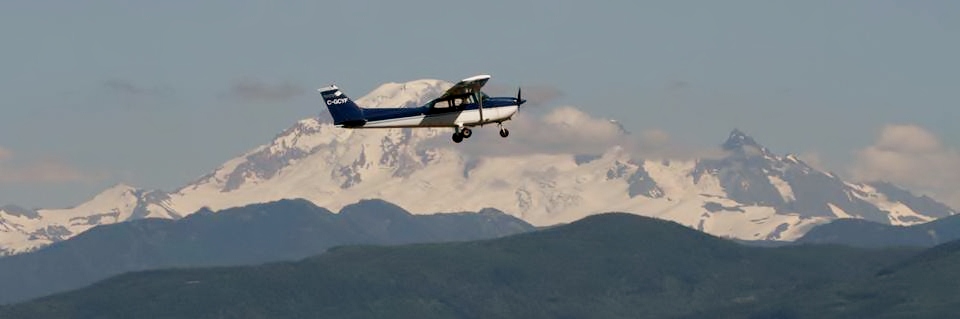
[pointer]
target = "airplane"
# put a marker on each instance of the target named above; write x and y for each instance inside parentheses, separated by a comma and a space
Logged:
(461, 107)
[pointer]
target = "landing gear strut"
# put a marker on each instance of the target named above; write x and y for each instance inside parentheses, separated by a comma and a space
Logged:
(503, 130)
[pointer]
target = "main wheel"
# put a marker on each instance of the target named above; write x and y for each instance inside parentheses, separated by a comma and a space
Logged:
(466, 132)
(504, 132)
(457, 138)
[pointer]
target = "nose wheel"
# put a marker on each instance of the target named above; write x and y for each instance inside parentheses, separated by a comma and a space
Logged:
(504, 132)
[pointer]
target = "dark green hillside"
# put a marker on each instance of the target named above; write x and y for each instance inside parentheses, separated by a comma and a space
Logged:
(922, 286)
(925, 286)
(605, 266)
(283, 230)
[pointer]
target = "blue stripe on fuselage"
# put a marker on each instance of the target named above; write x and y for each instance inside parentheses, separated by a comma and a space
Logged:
(378, 114)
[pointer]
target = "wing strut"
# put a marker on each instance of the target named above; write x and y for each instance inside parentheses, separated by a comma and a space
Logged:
(476, 95)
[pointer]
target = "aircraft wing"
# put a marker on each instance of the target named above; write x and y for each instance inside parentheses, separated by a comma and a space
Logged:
(466, 86)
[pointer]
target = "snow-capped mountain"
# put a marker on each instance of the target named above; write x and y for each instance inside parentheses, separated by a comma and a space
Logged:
(748, 193)
(25, 229)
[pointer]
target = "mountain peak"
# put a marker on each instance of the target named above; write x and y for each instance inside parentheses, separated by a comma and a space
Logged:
(738, 139)
(117, 190)
(623, 130)
(122, 187)
(772, 196)
(741, 142)
(406, 94)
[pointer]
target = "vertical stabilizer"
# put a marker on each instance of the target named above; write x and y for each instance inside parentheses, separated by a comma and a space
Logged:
(344, 111)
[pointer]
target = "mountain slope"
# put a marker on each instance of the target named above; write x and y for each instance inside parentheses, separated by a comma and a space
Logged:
(604, 266)
(745, 194)
(864, 233)
(749, 192)
(23, 230)
(284, 230)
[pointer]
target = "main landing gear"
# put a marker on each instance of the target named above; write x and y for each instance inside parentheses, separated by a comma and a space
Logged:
(461, 134)
(465, 132)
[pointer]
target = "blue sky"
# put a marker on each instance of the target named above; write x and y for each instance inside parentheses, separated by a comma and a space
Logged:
(157, 93)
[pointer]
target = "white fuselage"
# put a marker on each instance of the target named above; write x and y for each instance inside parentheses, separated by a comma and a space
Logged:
(449, 119)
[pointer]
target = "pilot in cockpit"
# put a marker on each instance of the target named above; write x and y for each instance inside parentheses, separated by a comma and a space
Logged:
(461, 101)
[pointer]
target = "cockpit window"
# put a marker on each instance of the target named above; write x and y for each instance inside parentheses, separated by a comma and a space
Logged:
(457, 101)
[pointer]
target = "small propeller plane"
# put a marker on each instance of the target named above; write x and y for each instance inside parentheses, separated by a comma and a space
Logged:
(462, 106)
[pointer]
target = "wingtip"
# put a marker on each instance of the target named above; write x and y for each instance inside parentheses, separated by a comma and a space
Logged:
(330, 87)
(477, 77)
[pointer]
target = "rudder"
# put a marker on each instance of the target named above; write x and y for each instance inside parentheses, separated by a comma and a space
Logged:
(343, 110)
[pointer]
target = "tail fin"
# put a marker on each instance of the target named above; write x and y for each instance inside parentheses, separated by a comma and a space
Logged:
(343, 110)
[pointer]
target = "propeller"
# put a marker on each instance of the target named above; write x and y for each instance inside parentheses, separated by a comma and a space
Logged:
(520, 100)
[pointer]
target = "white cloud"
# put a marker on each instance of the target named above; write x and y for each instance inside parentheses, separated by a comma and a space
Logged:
(4, 153)
(913, 157)
(908, 138)
(567, 130)
(41, 171)
(565, 123)
(813, 159)
(655, 137)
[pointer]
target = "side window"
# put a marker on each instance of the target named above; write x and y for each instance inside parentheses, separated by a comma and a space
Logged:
(464, 100)
(445, 105)
(442, 104)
